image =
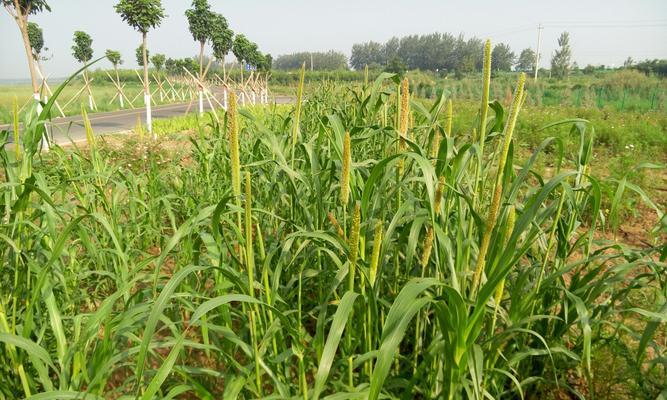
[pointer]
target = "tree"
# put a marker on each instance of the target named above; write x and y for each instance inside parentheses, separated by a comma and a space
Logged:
(434, 52)
(222, 38)
(396, 66)
(158, 61)
(241, 49)
(561, 60)
(629, 62)
(589, 69)
(253, 55)
(139, 54)
(502, 58)
(143, 15)
(36, 37)
(175, 67)
(21, 10)
(370, 53)
(201, 21)
(526, 60)
(390, 49)
(655, 66)
(267, 63)
(322, 61)
(114, 58)
(82, 49)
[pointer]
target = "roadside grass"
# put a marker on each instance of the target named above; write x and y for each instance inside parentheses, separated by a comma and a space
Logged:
(103, 93)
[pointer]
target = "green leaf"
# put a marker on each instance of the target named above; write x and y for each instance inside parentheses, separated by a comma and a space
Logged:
(333, 339)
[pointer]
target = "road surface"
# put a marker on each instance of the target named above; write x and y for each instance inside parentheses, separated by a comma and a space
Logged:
(66, 130)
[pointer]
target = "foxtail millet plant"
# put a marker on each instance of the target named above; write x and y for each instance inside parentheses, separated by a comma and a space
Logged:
(490, 222)
(296, 123)
(189, 301)
(233, 129)
(375, 256)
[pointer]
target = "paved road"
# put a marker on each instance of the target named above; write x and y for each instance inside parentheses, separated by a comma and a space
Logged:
(65, 130)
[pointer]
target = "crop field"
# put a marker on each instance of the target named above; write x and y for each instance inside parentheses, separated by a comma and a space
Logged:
(362, 243)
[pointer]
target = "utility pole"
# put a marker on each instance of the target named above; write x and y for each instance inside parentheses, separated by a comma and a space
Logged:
(312, 68)
(537, 54)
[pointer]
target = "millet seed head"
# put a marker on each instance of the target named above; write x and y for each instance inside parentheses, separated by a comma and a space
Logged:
(428, 247)
(345, 170)
(405, 107)
(439, 190)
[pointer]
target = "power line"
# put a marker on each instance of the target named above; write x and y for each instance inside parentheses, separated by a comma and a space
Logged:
(611, 21)
(571, 26)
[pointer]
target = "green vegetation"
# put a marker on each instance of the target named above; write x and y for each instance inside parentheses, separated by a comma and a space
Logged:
(139, 55)
(82, 49)
(142, 16)
(623, 90)
(20, 11)
(114, 58)
(201, 22)
(158, 61)
(36, 38)
(102, 89)
(561, 62)
(432, 52)
(321, 61)
(359, 244)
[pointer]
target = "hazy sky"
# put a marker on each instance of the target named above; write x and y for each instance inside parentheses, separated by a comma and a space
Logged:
(601, 31)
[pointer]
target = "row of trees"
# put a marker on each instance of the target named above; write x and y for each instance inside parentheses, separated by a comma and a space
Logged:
(655, 66)
(316, 61)
(206, 27)
(433, 52)
(446, 52)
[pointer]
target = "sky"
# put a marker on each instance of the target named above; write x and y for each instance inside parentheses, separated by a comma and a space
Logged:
(601, 31)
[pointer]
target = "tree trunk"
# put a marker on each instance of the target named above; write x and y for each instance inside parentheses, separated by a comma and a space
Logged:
(147, 92)
(22, 22)
(23, 27)
(224, 70)
(201, 59)
(242, 68)
(120, 93)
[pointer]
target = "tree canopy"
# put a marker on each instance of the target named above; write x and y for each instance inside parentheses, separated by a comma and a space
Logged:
(158, 61)
(200, 20)
(222, 38)
(82, 49)
(114, 57)
(322, 61)
(561, 61)
(434, 52)
(655, 66)
(526, 60)
(139, 53)
(175, 66)
(241, 48)
(36, 37)
(267, 63)
(27, 6)
(502, 58)
(370, 53)
(142, 15)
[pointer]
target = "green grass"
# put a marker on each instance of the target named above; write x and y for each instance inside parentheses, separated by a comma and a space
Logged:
(103, 93)
(224, 263)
